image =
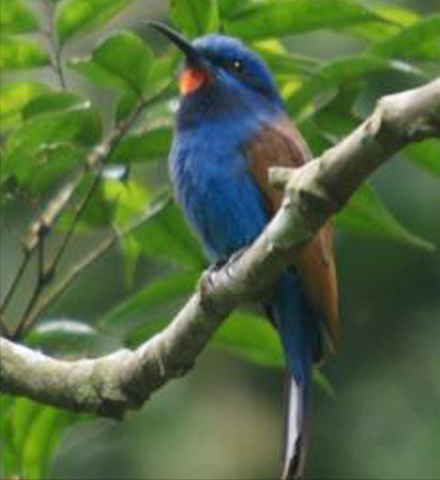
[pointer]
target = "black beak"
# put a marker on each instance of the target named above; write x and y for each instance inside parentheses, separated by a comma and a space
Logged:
(193, 56)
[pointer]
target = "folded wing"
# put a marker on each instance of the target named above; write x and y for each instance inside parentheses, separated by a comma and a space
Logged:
(280, 144)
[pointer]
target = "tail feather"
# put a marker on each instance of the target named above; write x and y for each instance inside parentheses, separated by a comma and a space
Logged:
(299, 333)
(296, 430)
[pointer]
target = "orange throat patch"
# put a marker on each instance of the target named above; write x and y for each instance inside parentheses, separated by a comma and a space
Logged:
(192, 79)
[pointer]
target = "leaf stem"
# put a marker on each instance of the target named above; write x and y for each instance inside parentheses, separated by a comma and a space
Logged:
(56, 61)
(16, 280)
(38, 287)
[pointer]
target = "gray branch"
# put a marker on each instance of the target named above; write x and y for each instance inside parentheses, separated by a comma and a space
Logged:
(112, 384)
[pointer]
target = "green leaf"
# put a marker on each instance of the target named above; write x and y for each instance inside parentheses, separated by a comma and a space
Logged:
(397, 17)
(16, 18)
(19, 53)
(315, 138)
(62, 336)
(251, 336)
(143, 146)
(149, 303)
(282, 63)
(336, 119)
(160, 76)
(42, 438)
(80, 124)
(411, 39)
(29, 434)
(121, 60)
(366, 214)
(126, 105)
(6, 406)
(131, 253)
(129, 199)
(397, 14)
(98, 213)
(162, 73)
(40, 167)
(166, 236)
(50, 162)
(425, 155)
(22, 417)
(338, 73)
(324, 383)
(9, 461)
(194, 17)
(254, 338)
(273, 18)
(76, 17)
(9, 466)
(41, 140)
(52, 102)
(14, 96)
(231, 8)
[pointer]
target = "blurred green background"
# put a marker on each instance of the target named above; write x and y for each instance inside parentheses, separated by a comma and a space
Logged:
(224, 419)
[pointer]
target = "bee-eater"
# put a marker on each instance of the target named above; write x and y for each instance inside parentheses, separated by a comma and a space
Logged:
(231, 127)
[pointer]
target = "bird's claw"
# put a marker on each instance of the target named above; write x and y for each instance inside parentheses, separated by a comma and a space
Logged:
(207, 281)
(233, 259)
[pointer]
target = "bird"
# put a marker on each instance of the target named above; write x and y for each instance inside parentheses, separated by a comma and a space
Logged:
(231, 126)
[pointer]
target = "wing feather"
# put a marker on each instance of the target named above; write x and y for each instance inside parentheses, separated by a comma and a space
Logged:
(281, 144)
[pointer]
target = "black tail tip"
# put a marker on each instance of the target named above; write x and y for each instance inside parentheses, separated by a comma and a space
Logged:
(294, 466)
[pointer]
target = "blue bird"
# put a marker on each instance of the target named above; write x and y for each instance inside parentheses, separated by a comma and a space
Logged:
(231, 127)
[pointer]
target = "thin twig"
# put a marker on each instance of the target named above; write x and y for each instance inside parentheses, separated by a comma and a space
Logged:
(39, 286)
(79, 209)
(85, 200)
(4, 330)
(55, 207)
(98, 157)
(16, 281)
(61, 286)
(56, 61)
(21, 268)
(86, 262)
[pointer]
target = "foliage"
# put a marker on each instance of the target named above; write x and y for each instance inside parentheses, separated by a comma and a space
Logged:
(50, 131)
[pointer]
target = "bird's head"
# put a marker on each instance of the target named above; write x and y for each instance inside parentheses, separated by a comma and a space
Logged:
(222, 73)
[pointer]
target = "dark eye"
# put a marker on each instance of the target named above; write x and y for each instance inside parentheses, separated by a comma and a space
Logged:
(237, 65)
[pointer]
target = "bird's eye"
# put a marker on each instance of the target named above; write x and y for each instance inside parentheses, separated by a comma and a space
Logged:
(237, 65)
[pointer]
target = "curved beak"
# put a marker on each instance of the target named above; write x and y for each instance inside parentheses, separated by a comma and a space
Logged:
(195, 73)
(193, 56)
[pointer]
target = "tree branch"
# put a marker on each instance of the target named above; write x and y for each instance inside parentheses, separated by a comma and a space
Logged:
(123, 380)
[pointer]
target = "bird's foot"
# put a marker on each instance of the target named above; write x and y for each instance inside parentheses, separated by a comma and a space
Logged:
(216, 266)
(207, 279)
(236, 255)
(221, 267)
(233, 259)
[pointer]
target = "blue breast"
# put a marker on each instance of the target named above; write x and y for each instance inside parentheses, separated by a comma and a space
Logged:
(212, 183)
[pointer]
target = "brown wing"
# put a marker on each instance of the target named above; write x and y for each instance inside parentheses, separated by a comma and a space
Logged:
(281, 144)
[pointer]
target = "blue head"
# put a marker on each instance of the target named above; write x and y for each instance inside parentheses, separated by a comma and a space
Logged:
(221, 76)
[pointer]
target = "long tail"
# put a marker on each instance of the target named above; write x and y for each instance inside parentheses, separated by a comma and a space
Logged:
(299, 334)
(296, 429)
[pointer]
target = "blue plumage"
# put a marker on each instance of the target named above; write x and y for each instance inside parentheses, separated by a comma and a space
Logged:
(212, 182)
(227, 133)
